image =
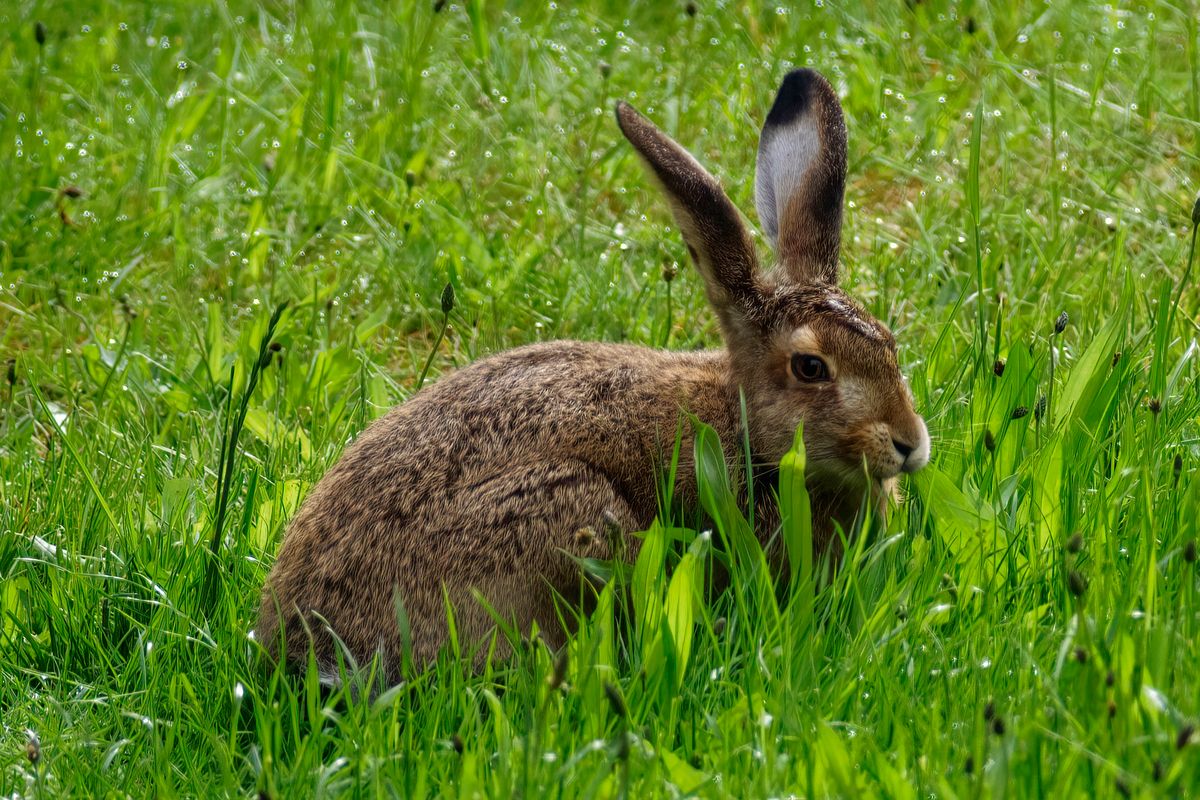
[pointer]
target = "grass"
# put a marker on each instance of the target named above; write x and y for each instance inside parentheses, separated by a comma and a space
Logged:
(175, 172)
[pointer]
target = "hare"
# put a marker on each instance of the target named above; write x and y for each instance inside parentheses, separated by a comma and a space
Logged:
(484, 485)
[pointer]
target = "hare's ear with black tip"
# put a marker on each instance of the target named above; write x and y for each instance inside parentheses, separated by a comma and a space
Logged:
(714, 233)
(801, 177)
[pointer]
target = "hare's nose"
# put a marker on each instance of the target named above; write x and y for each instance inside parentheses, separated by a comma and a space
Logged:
(913, 449)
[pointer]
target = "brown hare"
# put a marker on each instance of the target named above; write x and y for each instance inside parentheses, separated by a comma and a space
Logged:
(482, 483)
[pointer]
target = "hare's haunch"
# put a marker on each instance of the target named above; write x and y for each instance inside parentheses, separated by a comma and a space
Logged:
(488, 482)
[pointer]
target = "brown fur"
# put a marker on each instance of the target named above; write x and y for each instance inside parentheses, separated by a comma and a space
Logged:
(491, 479)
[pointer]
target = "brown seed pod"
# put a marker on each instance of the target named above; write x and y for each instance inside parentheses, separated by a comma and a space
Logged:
(615, 701)
(559, 675)
(1184, 737)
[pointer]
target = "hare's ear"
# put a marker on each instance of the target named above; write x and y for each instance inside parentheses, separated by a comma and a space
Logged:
(713, 231)
(801, 177)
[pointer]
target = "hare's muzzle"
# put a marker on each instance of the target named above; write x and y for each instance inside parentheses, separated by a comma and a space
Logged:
(911, 444)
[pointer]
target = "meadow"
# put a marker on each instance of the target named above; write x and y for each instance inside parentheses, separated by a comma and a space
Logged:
(226, 233)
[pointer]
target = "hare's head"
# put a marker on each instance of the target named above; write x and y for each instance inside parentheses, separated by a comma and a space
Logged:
(801, 348)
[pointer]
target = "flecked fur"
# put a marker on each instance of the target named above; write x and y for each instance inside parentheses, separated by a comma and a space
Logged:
(489, 481)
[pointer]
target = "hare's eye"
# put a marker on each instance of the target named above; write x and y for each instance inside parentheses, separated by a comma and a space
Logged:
(809, 369)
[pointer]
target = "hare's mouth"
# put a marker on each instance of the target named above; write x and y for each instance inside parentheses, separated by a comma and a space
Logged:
(843, 477)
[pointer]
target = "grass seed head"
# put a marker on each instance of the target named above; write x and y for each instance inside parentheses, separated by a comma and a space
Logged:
(1077, 583)
(1196, 212)
(1075, 543)
(1155, 405)
(969, 765)
(615, 700)
(1060, 324)
(1116, 358)
(690, 9)
(623, 746)
(438, 5)
(605, 69)
(998, 726)
(989, 711)
(39, 35)
(33, 747)
(1122, 786)
(1189, 551)
(612, 525)
(998, 367)
(1039, 408)
(989, 441)
(1112, 708)
(1110, 679)
(1177, 468)
(11, 372)
(585, 536)
(559, 675)
(448, 298)
(1184, 738)
(1081, 655)
(456, 742)
(1020, 411)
